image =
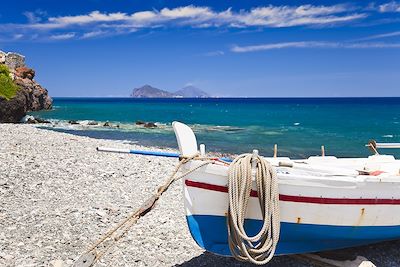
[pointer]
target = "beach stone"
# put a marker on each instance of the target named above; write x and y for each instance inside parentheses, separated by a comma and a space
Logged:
(8, 257)
(101, 213)
(140, 123)
(57, 263)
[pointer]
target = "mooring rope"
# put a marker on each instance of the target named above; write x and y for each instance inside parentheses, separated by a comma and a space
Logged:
(108, 240)
(258, 249)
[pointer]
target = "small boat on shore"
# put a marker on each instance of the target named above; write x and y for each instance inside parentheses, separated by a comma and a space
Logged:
(325, 202)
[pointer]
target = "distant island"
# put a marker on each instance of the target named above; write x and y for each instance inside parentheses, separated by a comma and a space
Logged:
(148, 91)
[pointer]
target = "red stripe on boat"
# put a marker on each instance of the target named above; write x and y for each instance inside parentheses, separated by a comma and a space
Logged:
(316, 200)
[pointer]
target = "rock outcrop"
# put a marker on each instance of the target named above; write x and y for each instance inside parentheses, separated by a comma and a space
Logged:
(31, 96)
(13, 110)
(37, 97)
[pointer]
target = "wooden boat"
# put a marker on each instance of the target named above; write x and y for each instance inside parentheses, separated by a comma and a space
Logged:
(325, 202)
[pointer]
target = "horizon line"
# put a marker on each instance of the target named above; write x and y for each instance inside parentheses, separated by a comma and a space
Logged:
(227, 97)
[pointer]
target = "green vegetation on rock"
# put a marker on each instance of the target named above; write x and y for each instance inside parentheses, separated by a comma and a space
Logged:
(7, 87)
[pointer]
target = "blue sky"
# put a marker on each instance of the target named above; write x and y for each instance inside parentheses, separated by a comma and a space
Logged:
(228, 48)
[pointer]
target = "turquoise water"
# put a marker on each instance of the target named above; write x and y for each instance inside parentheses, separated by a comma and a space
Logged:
(298, 125)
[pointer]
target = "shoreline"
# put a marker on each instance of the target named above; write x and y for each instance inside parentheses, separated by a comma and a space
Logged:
(59, 195)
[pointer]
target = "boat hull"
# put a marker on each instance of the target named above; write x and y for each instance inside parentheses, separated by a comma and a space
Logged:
(316, 213)
(210, 233)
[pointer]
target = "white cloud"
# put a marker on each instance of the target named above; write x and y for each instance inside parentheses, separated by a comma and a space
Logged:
(214, 53)
(380, 36)
(269, 16)
(390, 7)
(64, 36)
(144, 16)
(187, 12)
(311, 44)
(32, 18)
(18, 36)
(93, 34)
(94, 16)
(35, 16)
(286, 16)
(97, 23)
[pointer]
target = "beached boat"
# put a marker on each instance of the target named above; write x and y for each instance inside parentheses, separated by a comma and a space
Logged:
(325, 202)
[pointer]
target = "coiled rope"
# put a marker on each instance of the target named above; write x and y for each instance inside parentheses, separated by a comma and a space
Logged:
(258, 249)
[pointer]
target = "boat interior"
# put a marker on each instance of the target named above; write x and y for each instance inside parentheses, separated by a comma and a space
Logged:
(382, 166)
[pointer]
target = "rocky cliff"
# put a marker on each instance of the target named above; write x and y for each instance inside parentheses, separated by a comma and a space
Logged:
(29, 96)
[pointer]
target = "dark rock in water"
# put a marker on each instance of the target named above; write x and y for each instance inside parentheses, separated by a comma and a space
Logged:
(150, 125)
(39, 120)
(106, 124)
(146, 124)
(31, 121)
(233, 129)
(13, 110)
(92, 123)
(117, 125)
(73, 122)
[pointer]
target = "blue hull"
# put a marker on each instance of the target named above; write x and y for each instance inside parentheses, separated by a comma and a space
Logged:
(210, 233)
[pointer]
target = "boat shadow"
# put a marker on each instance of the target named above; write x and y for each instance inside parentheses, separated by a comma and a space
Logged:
(381, 254)
(209, 259)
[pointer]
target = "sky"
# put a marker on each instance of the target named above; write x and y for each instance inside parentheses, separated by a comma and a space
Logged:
(227, 48)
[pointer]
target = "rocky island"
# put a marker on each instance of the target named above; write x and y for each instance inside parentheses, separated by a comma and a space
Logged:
(19, 92)
(148, 91)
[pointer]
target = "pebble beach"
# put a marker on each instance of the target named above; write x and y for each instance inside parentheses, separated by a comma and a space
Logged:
(58, 195)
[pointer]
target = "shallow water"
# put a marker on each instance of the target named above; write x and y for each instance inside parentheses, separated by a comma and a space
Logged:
(298, 125)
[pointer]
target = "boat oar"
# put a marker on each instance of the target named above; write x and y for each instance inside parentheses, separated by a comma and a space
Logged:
(146, 152)
(139, 152)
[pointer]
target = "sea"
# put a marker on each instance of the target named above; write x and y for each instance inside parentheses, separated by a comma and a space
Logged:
(299, 126)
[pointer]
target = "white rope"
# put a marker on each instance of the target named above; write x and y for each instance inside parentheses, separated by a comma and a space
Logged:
(258, 249)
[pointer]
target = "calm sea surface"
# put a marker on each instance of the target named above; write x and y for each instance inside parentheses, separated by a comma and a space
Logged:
(298, 125)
